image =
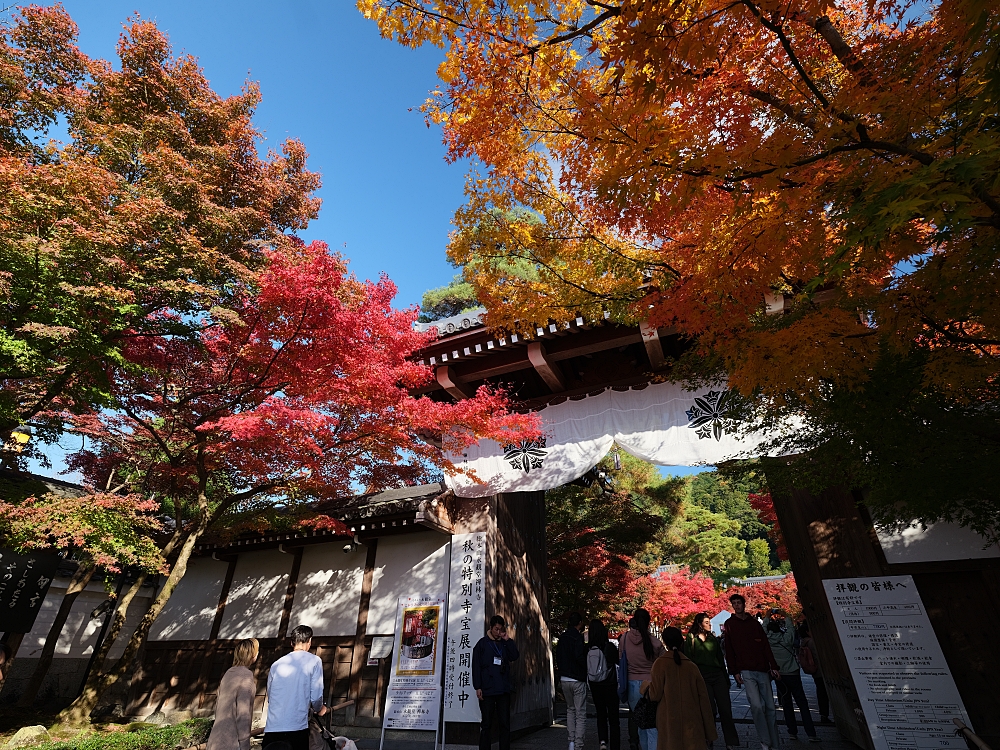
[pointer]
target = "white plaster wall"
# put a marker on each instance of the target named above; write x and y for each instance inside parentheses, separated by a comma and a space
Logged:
(328, 591)
(939, 541)
(404, 565)
(190, 612)
(257, 595)
(79, 634)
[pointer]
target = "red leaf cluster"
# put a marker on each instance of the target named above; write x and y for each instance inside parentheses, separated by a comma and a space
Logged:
(764, 506)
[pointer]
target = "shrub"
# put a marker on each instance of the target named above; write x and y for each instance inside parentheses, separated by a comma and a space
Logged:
(139, 737)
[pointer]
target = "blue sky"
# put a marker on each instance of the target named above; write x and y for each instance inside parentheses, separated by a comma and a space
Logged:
(328, 79)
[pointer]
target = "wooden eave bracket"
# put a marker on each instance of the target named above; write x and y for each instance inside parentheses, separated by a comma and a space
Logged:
(456, 388)
(545, 367)
(654, 347)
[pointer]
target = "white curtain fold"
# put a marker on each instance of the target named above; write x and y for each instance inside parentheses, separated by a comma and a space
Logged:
(662, 423)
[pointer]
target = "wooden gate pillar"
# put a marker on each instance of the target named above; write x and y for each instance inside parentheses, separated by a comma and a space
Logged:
(828, 536)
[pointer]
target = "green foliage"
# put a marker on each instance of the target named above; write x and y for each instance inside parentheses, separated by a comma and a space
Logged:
(758, 557)
(703, 541)
(729, 496)
(451, 299)
(914, 452)
(139, 737)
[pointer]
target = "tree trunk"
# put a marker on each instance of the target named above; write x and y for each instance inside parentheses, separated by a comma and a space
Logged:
(69, 716)
(79, 712)
(77, 584)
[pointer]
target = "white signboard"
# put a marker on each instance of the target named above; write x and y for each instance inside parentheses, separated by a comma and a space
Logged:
(906, 689)
(466, 625)
(414, 695)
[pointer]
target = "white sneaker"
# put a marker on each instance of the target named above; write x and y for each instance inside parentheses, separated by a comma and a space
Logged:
(571, 747)
(604, 746)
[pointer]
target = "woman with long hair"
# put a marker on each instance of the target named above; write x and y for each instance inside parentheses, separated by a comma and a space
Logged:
(703, 648)
(234, 707)
(604, 692)
(684, 718)
(641, 651)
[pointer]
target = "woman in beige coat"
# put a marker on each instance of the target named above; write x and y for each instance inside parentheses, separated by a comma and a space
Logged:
(684, 719)
(234, 707)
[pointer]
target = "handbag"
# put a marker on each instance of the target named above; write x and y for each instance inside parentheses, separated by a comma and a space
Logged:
(644, 712)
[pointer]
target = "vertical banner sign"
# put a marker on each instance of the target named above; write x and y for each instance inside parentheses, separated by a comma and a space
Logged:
(24, 580)
(466, 624)
(414, 694)
(906, 689)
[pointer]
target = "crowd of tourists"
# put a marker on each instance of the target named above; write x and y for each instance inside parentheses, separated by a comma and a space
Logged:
(676, 686)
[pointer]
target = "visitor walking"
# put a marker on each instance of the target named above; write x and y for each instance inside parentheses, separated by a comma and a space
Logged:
(641, 651)
(703, 648)
(571, 658)
(684, 718)
(234, 705)
(602, 658)
(781, 636)
(491, 658)
(750, 661)
(809, 662)
(633, 728)
(294, 686)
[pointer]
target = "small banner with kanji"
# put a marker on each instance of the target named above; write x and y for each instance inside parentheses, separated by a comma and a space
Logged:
(24, 581)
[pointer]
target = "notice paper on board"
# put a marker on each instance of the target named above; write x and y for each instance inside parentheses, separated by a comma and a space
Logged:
(902, 679)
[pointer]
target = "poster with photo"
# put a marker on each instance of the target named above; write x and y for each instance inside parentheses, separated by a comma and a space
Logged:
(418, 640)
(413, 698)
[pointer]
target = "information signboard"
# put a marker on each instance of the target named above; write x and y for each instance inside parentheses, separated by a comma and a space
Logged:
(413, 700)
(906, 689)
(466, 625)
(24, 581)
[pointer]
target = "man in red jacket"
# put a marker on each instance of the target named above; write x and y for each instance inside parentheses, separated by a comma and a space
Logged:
(750, 661)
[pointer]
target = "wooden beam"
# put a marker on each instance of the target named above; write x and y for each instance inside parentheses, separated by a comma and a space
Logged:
(654, 348)
(448, 380)
(358, 655)
(549, 370)
(220, 610)
(293, 579)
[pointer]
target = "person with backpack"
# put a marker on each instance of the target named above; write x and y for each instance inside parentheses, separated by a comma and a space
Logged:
(571, 658)
(781, 636)
(602, 658)
(640, 650)
(809, 661)
(703, 648)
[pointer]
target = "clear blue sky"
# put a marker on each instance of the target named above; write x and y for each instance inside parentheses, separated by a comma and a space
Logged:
(328, 79)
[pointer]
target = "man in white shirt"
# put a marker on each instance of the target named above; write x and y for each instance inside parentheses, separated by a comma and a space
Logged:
(294, 685)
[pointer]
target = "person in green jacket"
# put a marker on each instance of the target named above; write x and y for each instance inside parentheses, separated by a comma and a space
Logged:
(703, 648)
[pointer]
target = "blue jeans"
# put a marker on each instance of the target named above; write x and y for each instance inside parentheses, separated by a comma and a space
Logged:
(761, 698)
(647, 737)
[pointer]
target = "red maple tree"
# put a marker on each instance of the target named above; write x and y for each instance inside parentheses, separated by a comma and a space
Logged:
(764, 506)
(298, 391)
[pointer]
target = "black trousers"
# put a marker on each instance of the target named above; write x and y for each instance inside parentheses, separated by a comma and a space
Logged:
(608, 724)
(718, 695)
(295, 740)
(495, 706)
(790, 687)
(822, 698)
(633, 733)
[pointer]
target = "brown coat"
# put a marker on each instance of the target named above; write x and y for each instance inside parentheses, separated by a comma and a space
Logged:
(233, 711)
(684, 719)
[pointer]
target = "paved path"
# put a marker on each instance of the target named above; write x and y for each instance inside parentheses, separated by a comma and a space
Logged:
(554, 737)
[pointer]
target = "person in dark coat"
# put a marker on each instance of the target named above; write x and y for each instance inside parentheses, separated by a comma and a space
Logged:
(491, 659)
(234, 706)
(604, 692)
(571, 658)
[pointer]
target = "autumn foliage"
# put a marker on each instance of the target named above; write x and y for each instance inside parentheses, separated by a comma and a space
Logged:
(158, 200)
(764, 506)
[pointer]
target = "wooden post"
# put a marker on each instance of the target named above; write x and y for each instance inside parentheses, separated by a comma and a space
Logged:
(293, 579)
(220, 610)
(358, 650)
(827, 537)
